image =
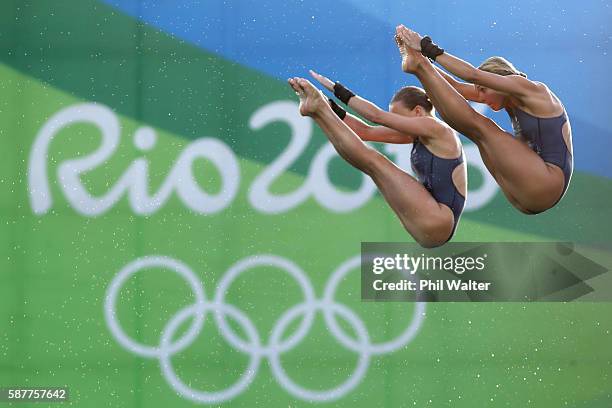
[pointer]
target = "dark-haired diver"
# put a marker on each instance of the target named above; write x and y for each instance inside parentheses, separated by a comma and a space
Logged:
(429, 208)
(534, 168)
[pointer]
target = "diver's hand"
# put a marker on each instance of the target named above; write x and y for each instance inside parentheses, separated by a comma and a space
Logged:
(411, 38)
(323, 80)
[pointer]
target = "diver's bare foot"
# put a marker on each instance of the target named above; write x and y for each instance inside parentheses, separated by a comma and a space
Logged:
(311, 99)
(411, 58)
(407, 61)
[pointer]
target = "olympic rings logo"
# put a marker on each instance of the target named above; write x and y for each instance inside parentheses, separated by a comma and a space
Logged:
(254, 346)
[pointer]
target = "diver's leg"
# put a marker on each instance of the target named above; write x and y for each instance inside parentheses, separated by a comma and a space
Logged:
(530, 184)
(429, 222)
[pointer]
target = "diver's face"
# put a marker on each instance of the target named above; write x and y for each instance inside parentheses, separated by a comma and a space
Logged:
(399, 109)
(495, 100)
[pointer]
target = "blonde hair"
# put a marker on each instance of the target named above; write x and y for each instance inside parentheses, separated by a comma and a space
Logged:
(500, 66)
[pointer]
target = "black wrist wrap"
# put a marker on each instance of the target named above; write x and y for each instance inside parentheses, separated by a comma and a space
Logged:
(341, 113)
(429, 49)
(343, 93)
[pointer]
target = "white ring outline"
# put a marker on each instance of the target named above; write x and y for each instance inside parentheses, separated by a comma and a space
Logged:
(380, 348)
(207, 396)
(131, 269)
(333, 393)
(253, 262)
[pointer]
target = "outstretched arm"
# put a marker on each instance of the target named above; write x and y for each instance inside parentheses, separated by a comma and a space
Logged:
(376, 133)
(515, 85)
(416, 126)
(468, 91)
(511, 84)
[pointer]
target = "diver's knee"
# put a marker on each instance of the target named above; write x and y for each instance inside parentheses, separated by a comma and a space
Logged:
(433, 233)
(430, 243)
(531, 210)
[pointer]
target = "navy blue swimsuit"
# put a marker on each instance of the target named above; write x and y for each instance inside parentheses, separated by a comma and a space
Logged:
(545, 137)
(436, 175)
